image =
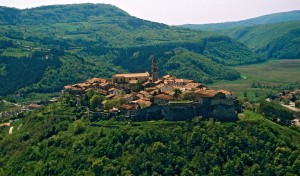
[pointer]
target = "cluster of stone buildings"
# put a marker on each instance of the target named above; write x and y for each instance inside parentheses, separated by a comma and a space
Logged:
(151, 97)
(288, 94)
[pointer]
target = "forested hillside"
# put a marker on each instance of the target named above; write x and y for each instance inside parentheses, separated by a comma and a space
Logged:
(71, 43)
(60, 140)
(281, 40)
(266, 19)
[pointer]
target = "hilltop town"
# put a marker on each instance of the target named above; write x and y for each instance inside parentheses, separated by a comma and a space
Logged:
(141, 96)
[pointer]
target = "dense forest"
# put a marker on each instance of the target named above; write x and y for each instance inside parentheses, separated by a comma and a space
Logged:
(61, 140)
(280, 40)
(97, 40)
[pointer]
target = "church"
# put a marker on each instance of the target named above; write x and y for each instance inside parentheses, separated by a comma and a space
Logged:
(129, 80)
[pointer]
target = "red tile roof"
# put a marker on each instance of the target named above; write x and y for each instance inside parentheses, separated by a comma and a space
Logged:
(206, 93)
(128, 107)
(164, 97)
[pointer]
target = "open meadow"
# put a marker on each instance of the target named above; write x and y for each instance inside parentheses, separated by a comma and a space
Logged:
(265, 75)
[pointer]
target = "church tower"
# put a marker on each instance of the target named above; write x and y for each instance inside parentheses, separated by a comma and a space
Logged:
(154, 69)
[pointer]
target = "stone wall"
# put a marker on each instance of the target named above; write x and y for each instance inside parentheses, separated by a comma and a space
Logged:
(150, 113)
(179, 111)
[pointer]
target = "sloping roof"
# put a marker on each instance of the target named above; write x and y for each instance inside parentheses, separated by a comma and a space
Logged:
(163, 97)
(81, 85)
(206, 93)
(153, 92)
(68, 87)
(101, 91)
(128, 107)
(158, 81)
(186, 81)
(170, 92)
(150, 89)
(192, 85)
(146, 83)
(96, 80)
(131, 95)
(167, 76)
(226, 92)
(111, 89)
(145, 102)
(110, 96)
(144, 93)
(160, 86)
(169, 81)
(132, 75)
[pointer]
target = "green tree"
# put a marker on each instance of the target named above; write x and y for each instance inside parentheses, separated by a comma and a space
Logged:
(90, 93)
(96, 101)
(114, 103)
(177, 93)
(191, 96)
(79, 126)
(286, 101)
(138, 87)
(1, 105)
(297, 104)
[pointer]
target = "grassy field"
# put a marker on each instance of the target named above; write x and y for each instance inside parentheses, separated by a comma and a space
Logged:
(271, 73)
(15, 52)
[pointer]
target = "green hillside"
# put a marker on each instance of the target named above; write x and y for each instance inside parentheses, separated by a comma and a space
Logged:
(280, 40)
(266, 19)
(89, 40)
(61, 140)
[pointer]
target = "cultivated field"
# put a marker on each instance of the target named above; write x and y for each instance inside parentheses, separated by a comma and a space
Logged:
(271, 73)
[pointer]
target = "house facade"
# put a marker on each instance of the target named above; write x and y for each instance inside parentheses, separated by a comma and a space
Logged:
(128, 80)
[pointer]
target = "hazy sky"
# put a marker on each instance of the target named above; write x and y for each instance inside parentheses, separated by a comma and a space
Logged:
(175, 12)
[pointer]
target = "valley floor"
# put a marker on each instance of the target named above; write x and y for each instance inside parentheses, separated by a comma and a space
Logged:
(271, 73)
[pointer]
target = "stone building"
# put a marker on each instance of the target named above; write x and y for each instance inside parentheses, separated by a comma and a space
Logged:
(162, 99)
(128, 80)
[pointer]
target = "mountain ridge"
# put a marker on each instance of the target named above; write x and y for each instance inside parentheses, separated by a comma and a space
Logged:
(265, 19)
(278, 40)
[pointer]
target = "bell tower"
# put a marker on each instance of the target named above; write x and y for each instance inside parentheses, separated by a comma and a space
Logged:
(154, 69)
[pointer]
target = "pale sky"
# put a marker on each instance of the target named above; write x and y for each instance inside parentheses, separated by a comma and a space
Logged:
(174, 12)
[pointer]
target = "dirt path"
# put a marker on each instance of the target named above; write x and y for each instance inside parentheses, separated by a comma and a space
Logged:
(10, 130)
(5, 124)
(291, 106)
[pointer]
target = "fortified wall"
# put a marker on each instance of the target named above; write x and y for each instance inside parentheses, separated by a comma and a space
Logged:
(175, 111)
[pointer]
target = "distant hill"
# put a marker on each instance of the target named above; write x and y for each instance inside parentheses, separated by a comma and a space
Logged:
(57, 14)
(97, 40)
(266, 19)
(280, 40)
